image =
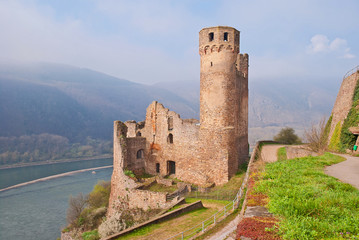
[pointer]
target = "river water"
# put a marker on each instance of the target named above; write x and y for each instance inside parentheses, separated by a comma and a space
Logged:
(37, 211)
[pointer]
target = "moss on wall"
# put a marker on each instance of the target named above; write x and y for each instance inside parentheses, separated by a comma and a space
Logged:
(327, 129)
(334, 144)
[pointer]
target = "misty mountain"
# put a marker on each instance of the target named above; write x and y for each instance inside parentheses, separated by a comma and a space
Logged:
(76, 102)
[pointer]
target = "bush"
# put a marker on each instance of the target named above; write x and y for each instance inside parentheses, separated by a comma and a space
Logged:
(100, 195)
(287, 136)
(91, 235)
(317, 136)
(76, 206)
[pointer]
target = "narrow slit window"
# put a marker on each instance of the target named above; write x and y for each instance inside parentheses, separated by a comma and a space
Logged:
(170, 123)
(211, 36)
(225, 37)
(211, 64)
(170, 138)
(157, 168)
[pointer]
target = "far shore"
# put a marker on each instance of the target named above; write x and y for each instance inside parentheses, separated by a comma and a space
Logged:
(17, 165)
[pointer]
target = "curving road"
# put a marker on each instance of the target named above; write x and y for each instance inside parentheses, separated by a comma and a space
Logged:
(347, 171)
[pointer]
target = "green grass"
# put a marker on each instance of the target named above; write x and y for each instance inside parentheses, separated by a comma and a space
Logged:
(155, 187)
(226, 191)
(91, 235)
(310, 204)
(181, 223)
(282, 153)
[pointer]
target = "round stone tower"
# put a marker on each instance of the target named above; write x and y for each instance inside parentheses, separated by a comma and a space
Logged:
(223, 99)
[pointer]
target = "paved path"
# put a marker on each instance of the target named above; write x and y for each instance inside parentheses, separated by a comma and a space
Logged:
(347, 171)
(269, 152)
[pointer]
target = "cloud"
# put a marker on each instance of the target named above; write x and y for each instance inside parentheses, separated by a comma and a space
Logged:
(321, 44)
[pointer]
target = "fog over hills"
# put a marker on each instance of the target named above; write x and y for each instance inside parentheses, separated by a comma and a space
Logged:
(76, 103)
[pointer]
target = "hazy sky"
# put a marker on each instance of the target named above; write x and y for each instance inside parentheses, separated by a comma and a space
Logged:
(157, 40)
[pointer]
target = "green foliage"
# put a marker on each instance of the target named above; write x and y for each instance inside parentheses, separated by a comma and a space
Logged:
(334, 144)
(91, 235)
(129, 173)
(44, 147)
(311, 204)
(348, 139)
(282, 153)
(287, 136)
(100, 195)
(327, 128)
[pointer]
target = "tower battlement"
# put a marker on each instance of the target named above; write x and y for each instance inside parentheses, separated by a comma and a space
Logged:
(217, 39)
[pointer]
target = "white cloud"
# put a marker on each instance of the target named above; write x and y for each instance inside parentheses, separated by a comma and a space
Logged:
(321, 44)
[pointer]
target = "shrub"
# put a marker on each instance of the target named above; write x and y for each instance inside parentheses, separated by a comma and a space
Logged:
(76, 206)
(287, 136)
(100, 195)
(91, 235)
(129, 173)
(317, 135)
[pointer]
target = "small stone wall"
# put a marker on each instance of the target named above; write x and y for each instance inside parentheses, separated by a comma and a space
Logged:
(146, 199)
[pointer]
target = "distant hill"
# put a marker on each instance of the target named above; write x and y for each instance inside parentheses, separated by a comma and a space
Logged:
(76, 103)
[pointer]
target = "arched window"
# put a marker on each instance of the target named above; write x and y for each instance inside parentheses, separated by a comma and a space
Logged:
(211, 36)
(140, 154)
(170, 138)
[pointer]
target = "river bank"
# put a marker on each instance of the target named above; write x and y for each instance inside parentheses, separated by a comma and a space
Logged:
(17, 165)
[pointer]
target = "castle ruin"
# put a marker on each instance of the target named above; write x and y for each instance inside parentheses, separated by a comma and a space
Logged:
(203, 152)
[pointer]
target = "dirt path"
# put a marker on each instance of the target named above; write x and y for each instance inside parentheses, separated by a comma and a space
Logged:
(347, 171)
(269, 152)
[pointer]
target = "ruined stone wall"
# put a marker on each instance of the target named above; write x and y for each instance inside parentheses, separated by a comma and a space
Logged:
(344, 101)
(123, 188)
(135, 160)
(146, 199)
(170, 138)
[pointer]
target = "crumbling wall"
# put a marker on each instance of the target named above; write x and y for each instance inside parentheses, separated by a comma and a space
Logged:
(124, 188)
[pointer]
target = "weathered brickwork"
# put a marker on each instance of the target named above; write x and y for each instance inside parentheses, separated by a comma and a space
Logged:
(204, 152)
(344, 101)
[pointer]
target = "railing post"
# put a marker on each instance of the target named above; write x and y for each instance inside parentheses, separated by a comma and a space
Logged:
(182, 235)
(214, 219)
(203, 227)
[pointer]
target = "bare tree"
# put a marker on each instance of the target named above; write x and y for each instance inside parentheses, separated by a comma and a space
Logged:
(317, 136)
(76, 206)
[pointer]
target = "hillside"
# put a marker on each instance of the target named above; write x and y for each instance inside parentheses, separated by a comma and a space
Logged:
(73, 102)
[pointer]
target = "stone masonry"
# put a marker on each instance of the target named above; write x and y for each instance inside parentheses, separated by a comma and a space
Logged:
(344, 100)
(204, 152)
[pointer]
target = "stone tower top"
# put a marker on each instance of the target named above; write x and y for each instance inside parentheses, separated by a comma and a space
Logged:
(219, 36)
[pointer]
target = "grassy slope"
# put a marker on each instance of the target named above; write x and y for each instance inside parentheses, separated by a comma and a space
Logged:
(176, 225)
(310, 204)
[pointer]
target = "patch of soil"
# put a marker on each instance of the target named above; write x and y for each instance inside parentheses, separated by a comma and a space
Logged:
(255, 228)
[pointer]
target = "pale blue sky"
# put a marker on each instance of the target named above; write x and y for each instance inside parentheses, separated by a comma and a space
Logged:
(149, 41)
